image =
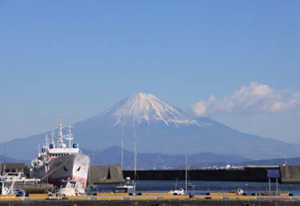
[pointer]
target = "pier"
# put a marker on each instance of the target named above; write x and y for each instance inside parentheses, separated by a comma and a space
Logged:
(155, 201)
(114, 174)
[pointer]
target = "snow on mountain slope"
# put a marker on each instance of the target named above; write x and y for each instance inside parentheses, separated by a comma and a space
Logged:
(159, 128)
(142, 107)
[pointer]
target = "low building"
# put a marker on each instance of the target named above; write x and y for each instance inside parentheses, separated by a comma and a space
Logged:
(11, 167)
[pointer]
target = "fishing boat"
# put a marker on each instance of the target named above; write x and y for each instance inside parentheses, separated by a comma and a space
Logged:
(181, 191)
(57, 161)
(128, 187)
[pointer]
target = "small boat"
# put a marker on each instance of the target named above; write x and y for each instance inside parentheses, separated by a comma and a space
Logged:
(177, 191)
(240, 191)
(181, 191)
(11, 190)
(71, 188)
(21, 184)
(128, 187)
(19, 178)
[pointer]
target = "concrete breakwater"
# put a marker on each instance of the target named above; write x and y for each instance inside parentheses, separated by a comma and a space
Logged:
(113, 174)
(248, 174)
(189, 202)
(288, 174)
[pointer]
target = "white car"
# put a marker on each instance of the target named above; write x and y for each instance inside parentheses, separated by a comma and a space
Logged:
(177, 191)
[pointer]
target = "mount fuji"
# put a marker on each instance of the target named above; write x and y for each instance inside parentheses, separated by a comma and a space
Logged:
(140, 108)
(158, 127)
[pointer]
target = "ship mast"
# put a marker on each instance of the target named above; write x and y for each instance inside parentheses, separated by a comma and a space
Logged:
(60, 133)
(39, 151)
(46, 141)
(70, 136)
(52, 139)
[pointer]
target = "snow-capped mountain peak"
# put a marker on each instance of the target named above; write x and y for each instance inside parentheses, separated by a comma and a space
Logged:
(142, 107)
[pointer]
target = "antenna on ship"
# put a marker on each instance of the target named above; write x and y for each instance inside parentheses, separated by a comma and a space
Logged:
(70, 136)
(60, 133)
(38, 150)
(52, 138)
(46, 141)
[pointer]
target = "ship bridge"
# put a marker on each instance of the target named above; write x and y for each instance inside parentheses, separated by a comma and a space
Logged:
(57, 152)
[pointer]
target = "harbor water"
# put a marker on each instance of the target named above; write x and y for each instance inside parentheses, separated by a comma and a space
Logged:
(203, 187)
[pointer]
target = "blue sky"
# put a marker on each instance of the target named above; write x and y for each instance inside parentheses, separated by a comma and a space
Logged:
(76, 58)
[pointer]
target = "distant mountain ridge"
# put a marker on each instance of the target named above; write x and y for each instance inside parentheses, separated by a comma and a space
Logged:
(112, 156)
(5, 159)
(159, 128)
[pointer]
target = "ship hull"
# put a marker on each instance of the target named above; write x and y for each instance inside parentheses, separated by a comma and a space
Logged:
(73, 167)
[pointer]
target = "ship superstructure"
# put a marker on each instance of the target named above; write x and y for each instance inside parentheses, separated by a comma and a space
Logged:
(57, 161)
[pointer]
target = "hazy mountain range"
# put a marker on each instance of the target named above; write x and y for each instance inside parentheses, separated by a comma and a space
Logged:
(112, 156)
(162, 129)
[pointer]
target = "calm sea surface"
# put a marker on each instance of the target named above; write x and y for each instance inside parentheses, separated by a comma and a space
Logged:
(202, 187)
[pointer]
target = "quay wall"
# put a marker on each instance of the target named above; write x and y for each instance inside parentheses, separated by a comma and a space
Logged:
(150, 203)
(113, 174)
(288, 174)
(250, 175)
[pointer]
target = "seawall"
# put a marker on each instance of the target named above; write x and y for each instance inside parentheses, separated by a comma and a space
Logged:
(113, 174)
(288, 174)
(150, 203)
(250, 175)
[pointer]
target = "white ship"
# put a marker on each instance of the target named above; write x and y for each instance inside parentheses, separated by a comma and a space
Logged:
(58, 162)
